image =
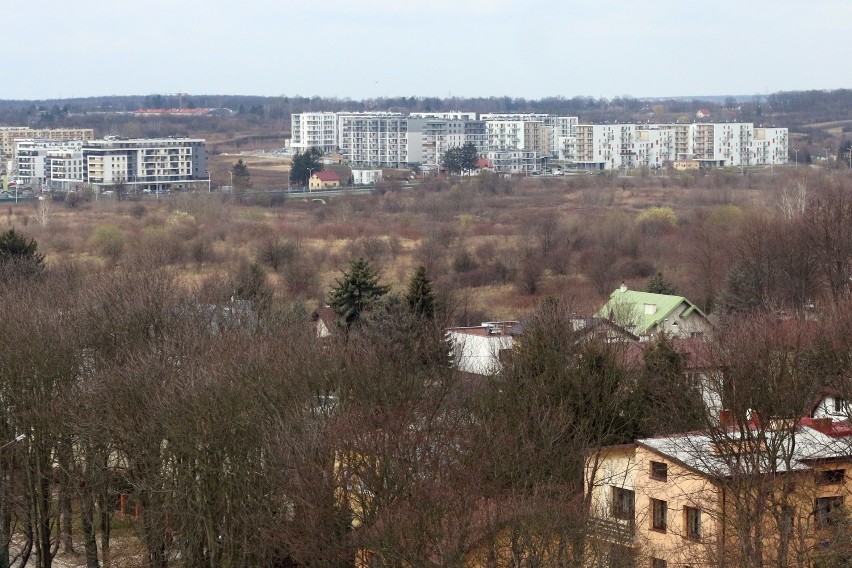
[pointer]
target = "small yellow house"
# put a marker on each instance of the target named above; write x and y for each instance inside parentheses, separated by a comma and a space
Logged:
(324, 180)
(758, 497)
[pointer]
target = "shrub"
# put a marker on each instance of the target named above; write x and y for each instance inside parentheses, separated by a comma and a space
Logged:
(274, 253)
(107, 241)
(657, 220)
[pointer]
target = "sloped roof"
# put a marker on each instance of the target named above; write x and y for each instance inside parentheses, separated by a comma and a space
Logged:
(326, 176)
(627, 308)
(699, 451)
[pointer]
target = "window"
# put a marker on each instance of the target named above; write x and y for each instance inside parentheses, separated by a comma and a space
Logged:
(659, 471)
(839, 404)
(658, 563)
(831, 476)
(826, 510)
(659, 512)
(693, 522)
(623, 504)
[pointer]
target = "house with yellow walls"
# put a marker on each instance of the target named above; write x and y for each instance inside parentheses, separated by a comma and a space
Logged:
(324, 180)
(772, 494)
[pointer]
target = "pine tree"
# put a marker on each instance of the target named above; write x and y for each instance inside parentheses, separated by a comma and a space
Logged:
(17, 256)
(659, 285)
(356, 292)
(242, 177)
(304, 165)
(421, 297)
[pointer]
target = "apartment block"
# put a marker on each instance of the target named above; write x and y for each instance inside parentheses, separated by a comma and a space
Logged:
(52, 164)
(153, 164)
(9, 134)
(374, 139)
(605, 146)
(314, 129)
(513, 161)
(429, 138)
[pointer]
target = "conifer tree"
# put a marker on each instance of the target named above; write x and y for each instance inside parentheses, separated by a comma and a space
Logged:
(659, 285)
(17, 256)
(420, 296)
(242, 177)
(356, 292)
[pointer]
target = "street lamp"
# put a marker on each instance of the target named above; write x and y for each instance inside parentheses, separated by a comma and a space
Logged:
(797, 157)
(18, 438)
(310, 173)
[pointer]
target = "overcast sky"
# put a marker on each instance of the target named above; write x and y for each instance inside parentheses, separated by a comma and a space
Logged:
(367, 48)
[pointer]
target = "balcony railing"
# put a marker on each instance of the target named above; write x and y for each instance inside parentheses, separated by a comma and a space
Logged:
(612, 530)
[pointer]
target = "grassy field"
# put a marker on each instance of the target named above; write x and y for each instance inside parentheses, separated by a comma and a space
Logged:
(495, 246)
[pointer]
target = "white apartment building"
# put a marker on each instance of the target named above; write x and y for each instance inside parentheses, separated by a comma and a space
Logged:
(9, 134)
(654, 146)
(564, 143)
(770, 146)
(605, 146)
(513, 161)
(48, 164)
(153, 164)
(549, 135)
(429, 138)
(314, 129)
(519, 135)
(374, 139)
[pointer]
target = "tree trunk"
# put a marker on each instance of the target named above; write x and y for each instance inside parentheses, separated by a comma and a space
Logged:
(87, 506)
(105, 517)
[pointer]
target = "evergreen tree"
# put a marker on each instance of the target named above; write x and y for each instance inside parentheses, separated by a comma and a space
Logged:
(469, 156)
(17, 256)
(451, 160)
(304, 164)
(242, 177)
(421, 297)
(665, 399)
(659, 285)
(356, 292)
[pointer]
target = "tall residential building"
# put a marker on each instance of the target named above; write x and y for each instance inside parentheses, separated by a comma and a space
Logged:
(605, 146)
(513, 161)
(52, 164)
(545, 134)
(9, 134)
(314, 129)
(154, 164)
(429, 138)
(374, 139)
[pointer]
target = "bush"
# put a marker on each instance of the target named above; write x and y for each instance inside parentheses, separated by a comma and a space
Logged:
(657, 220)
(107, 241)
(275, 253)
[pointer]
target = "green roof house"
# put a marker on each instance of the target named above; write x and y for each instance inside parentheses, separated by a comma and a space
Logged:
(646, 314)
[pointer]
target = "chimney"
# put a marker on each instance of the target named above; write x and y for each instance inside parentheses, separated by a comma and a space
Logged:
(623, 286)
(725, 418)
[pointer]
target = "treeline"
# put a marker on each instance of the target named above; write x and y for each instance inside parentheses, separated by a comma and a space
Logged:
(220, 428)
(788, 108)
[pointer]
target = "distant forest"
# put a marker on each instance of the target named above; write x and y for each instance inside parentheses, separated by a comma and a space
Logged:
(792, 109)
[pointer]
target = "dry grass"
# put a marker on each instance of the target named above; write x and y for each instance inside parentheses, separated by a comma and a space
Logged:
(206, 237)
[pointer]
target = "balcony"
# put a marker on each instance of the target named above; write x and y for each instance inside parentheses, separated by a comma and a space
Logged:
(612, 530)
